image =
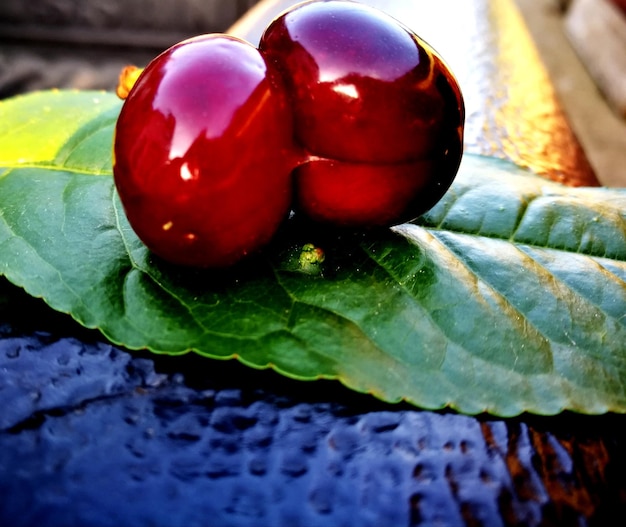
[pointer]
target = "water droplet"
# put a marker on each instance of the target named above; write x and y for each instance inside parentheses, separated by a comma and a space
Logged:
(132, 418)
(63, 360)
(247, 503)
(257, 466)
(223, 467)
(149, 433)
(424, 473)
(138, 471)
(13, 352)
(321, 499)
(294, 465)
(136, 447)
(302, 414)
(178, 378)
(228, 397)
(185, 469)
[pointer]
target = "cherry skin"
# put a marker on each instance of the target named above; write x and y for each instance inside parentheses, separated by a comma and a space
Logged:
(203, 152)
(376, 109)
(342, 113)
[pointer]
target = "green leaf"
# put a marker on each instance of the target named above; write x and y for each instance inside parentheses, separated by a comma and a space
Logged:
(508, 296)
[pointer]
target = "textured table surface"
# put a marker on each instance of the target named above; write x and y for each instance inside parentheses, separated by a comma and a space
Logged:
(94, 435)
(91, 435)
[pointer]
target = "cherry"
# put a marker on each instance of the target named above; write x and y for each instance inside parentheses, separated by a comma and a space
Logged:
(342, 114)
(375, 107)
(204, 151)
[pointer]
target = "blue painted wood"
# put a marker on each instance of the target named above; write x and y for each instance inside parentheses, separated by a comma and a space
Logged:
(92, 435)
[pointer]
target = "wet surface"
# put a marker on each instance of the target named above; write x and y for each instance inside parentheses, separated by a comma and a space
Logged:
(95, 435)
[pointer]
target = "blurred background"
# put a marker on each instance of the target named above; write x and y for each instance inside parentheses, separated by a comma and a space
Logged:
(83, 44)
(583, 46)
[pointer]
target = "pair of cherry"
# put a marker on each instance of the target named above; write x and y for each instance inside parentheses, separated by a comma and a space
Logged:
(342, 114)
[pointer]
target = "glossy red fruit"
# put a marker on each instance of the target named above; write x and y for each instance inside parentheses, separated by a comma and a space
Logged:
(375, 107)
(204, 151)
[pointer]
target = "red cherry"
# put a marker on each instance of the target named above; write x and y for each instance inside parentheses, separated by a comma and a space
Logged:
(361, 113)
(369, 99)
(360, 194)
(204, 151)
